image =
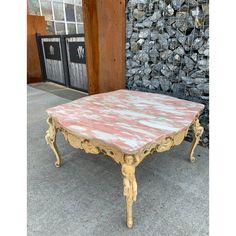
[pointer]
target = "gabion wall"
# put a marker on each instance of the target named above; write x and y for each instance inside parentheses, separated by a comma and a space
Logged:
(167, 50)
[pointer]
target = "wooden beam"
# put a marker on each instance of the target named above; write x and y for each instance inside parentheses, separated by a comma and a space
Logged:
(104, 23)
(91, 44)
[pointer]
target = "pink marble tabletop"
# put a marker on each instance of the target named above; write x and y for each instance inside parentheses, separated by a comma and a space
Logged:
(126, 119)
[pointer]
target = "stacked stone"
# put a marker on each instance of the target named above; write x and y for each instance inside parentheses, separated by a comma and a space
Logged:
(167, 49)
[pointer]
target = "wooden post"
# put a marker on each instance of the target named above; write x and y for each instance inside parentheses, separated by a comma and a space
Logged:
(104, 24)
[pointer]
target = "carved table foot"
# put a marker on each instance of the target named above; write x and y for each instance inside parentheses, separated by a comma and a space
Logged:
(197, 132)
(130, 186)
(51, 140)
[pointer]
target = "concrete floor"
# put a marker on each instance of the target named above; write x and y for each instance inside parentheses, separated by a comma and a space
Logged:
(85, 195)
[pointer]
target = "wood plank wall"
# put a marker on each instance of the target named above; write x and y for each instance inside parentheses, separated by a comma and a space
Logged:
(34, 24)
(104, 23)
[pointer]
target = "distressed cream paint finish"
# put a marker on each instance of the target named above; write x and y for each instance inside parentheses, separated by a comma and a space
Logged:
(126, 126)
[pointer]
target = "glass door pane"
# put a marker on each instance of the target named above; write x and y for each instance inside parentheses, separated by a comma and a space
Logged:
(33, 7)
(58, 11)
(60, 28)
(71, 28)
(70, 14)
(46, 9)
(80, 28)
(50, 27)
(79, 13)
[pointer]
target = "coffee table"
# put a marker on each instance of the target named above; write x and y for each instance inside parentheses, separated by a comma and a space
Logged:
(127, 126)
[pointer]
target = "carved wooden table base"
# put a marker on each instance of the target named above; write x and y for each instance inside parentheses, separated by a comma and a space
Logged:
(128, 162)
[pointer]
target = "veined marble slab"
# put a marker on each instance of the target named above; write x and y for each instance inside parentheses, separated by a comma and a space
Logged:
(126, 119)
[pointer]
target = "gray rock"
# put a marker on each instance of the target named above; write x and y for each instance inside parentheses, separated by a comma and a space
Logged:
(172, 67)
(144, 33)
(165, 54)
(138, 14)
(140, 6)
(138, 83)
(160, 25)
(155, 83)
(154, 53)
(153, 59)
(189, 63)
(157, 67)
(181, 22)
(127, 45)
(177, 59)
(130, 63)
(166, 71)
(139, 26)
(180, 51)
(147, 23)
(133, 3)
(165, 84)
(181, 37)
(197, 43)
(190, 22)
(173, 43)
(203, 64)
(178, 89)
(162, 5)
(142, 56)
(170, 30)
(147, 70)
(200, 80)
(129, 29)
(194, 92)
(192, 3)
(206, 33)
(204, 50)
(132, 71)
(152, 44)
(187, 48)
(164, 36)
(154, 35)
(194, 56)
(197, 73)
(129, 54)
(146, 82)
(134, 47)
(134, 36)
(177, 4)
(169, 10)
(145, 47)
(205, 9)
(190, 38)
(156, 16)
(150, 6)
(204, 88)
(151, 87)
(163, 40)
(195, 11)
(140, 42)
(171, 20)
(198, 17)
(182, 73)
(187, 80)
(204, 97)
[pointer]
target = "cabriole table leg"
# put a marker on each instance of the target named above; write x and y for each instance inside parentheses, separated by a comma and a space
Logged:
(51, 140)
(130, 187)
(197, 133)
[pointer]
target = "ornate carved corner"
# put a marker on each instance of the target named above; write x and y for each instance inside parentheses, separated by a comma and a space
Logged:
(50, 138)
(162, 145)
(197, 133)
